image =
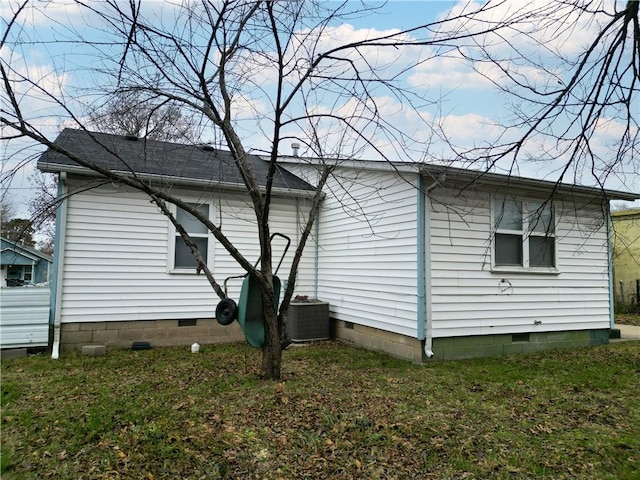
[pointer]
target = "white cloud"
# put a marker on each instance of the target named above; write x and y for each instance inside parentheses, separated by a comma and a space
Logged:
(454, 72)
(471, 129)
(392, 128)
(531, 49)
(36, 87)
(552, 24)
(39, 13)
(451, 72)
(430, 73)
(611, 129)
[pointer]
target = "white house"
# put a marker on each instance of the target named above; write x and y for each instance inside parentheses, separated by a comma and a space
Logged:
(417, 260)
(425, 261)
(122, 274)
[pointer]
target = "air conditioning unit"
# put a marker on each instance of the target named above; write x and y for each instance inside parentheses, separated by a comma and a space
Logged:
(308, 320)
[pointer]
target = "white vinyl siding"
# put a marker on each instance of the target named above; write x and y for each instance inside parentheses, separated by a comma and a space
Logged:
(24, 317)
(467, 298)
(368, 249)
(117, 246)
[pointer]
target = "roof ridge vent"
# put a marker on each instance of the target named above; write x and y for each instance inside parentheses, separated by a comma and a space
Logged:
(132, 138)
(207, 147)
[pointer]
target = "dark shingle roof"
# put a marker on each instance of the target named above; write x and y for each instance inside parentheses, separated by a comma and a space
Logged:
(175, 161)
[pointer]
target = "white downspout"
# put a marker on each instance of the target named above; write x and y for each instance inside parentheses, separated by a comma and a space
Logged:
(424, 270)
(59, 248)
(428, 343)
(610, 233)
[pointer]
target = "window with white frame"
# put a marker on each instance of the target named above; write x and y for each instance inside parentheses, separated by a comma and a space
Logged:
(183, 259)
(20, 272)
(525, 234)
(27, 274)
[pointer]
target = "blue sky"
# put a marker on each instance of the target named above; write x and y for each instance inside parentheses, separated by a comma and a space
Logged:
(466, 104)
(403, 14)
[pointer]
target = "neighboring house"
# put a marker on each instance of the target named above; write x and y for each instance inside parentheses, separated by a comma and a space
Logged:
(417, 260)
(626, 258)
(21, 265)
(122, 273)
(24, 312)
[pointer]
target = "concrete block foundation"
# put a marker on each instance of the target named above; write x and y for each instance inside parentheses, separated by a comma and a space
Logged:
(93, 350)
(13, 353)
(159, 333)
(374, 339)
(457, 348)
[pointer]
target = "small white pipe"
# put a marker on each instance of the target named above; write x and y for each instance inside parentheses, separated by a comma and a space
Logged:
(295, 147)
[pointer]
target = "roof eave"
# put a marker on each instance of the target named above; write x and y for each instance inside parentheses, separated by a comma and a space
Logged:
(26, 251)
(441, 172)
(531, 184)
(371, 165)
(180, 181)
(28, 255)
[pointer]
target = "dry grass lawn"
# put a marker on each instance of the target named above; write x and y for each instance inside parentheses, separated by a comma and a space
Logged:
(339, 413)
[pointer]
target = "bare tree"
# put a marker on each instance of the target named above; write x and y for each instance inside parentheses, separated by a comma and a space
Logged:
(42, 208)
(7, 211)
(130, 112)
(279, 67)
(570, 70)
(123, 113)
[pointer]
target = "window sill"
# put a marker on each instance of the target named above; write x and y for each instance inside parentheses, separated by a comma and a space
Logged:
(183, 271)
(531, 271)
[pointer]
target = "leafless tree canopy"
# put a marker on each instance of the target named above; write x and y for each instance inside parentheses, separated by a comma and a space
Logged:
(123, 113)
(7, 211)
(570, 72)
(42, 208)
(131, 113)
(258, 75)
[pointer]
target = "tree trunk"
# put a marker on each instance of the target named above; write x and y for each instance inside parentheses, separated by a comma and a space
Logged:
(272, 349)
